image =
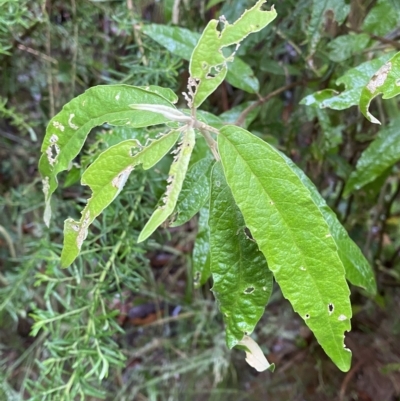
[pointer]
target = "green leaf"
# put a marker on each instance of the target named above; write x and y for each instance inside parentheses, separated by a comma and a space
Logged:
(242, 280)
(106, 177)
(208, 64)
(233, 114)
(358, 270)
(201, 250)
(67, 131)
(195, 191)
(383, 18)
(381, 154)
(319, 11)
(343, 47)
(182, 41)
(292, 234)
(387, 81)
(354, 81)
(175, 180)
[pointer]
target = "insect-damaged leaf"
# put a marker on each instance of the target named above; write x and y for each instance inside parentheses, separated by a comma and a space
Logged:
(387, 81)
(181, 42)
(242, 280)
(293, 235)
(381, 154)
(354, 81)
(106, 177)
(208, 64)
(67, 131)
(254, 356)
(175, 180)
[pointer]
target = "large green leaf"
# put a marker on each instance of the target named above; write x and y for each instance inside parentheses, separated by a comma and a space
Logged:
(195, 191)
(242, 280)
(381, 154)
(344, 46)
(358, 270)
(176, 176)
(354, 81)
(383, 18)
(67, 131)
(182, 41)
(201, 250)
(208, 64)
(386, 80)
(293, 235)
(106, 177)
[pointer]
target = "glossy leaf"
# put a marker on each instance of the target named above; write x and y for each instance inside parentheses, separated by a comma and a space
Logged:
(182, 41)
(385, 81)
(353, 80)
(208, 64)
(358, 270)
(343, 47)
(293, 235)
(175, 180)
(67, 131)
(383, 18)
(106, 177)
(201, 250)
(242, 280)
(195, 191)
(380, 155)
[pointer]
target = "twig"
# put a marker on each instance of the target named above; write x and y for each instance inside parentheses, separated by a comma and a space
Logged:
(75, 53)
(348, 378)
(386, 41)
(136, 32)
(242, 117)
(175, 12)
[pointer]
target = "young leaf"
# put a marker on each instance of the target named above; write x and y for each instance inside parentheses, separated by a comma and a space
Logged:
(106, 177)
(353, 80)
(181, 42)
(387, 81)
(208, 65)
(381, 154)
(67, 131)
(175, 180)
(358, 270)
(201, 250)
(242, 280)
(195, 191)
(293, 235)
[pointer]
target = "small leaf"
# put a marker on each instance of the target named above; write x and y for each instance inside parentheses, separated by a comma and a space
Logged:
(292, 234)
(354, 81)
(106, 177)
(175, 180)
(387, 11)
(67, 131)
(387, 81)
(195, 191)
(208, 64)
(343, 47)
(380, 155)
(201, 250)
(254, 356)
(242, 280)
(182, 41)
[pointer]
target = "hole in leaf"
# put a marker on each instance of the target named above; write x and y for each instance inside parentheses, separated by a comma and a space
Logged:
(307, 316)
(196, 279)
(248, 235)
(213, 72)
(249, 290)
(331, 308)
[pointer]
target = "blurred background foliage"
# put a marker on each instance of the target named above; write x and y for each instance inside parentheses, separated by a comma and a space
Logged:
(124, 322)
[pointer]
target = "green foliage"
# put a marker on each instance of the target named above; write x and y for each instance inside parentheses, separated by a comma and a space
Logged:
(288, 220)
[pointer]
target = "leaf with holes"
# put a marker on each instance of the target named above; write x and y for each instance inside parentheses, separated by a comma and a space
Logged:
(201, 250)
(176, 176)
(385, 81)
(380, 155)
(208, 64)
(67, 131)
(106, 177)
(293, 235)
(242, 280)
(181, 42)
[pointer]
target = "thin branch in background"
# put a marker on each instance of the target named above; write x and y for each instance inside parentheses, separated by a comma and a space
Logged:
(49, 69)
(381, 39)
(175, 12)
(75, 47)
(37, 53)
(136, 31)
(242, 117)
